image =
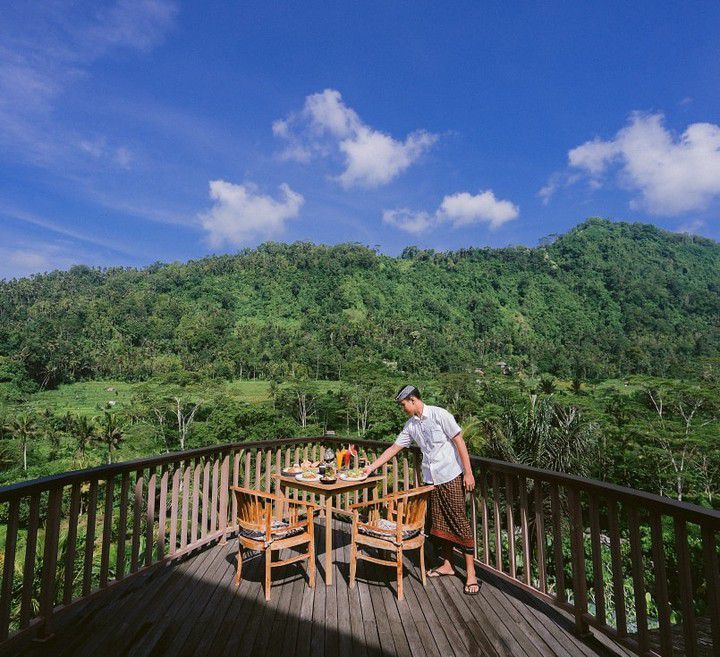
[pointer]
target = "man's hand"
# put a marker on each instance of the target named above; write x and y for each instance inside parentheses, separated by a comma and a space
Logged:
(368, 470)
(469, 481)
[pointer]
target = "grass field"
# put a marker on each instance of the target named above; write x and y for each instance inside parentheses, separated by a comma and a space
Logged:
(88, 397)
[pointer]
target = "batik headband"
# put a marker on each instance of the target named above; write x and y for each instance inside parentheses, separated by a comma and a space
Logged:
(405, 392)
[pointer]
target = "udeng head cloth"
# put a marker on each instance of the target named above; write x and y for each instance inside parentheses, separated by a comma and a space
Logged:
(406, 391)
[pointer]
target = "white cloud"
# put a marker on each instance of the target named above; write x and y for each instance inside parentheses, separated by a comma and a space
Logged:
(94, 147)
(44, 48)
(23, 216)
(123, 157)
(21, 260)
(672, 176)
(408, 220)
(593, 156)
(374, 158)
(328, 113)
(241, 213)
(326, 126)
(138, 24)
(461, 209)
(693, 227)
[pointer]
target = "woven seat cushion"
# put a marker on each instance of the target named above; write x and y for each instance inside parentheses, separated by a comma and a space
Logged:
(386, 529)
(277, 531)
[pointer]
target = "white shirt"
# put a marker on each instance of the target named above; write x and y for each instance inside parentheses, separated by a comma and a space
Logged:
(433, 432)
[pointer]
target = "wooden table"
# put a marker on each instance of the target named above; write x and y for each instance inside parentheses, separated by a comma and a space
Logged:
(327, 491)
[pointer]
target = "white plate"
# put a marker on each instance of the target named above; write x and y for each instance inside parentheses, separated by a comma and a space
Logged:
(344, 477)
(300, 477)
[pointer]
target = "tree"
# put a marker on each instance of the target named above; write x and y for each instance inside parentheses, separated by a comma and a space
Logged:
(548, 386)
(677, 450)
(184, 419)
(110, 433)
(298, 398)
(85, 431)
(24, 428)
(543, 434)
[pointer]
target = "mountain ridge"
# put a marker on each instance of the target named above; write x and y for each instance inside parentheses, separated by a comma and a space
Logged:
(604, 299)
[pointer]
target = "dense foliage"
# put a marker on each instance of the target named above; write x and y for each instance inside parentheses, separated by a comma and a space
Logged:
(604, 300)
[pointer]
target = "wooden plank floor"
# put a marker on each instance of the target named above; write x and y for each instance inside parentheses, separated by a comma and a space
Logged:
(194, 608)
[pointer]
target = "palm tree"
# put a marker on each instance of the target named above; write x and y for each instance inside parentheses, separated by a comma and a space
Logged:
(85, 431)
(544, 435)
(547, 385)
(23, 427)
(110, 433)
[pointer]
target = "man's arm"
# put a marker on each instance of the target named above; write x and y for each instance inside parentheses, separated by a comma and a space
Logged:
(468, 477)
(385, 457)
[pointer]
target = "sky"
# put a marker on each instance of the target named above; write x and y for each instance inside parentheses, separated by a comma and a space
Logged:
(139, 131)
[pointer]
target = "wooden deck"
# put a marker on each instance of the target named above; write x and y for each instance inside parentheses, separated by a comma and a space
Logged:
(194, 608)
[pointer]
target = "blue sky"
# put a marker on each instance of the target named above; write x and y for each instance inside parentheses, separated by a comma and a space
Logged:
(140, 131)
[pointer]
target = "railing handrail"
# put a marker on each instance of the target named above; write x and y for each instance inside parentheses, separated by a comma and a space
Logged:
(100, 472)
(669, 506)
(688, 511)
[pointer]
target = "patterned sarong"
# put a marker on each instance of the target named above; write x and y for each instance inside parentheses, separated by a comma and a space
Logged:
(448, 517)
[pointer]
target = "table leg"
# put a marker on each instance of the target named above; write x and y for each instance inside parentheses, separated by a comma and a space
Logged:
(328, 540)
(283, 494)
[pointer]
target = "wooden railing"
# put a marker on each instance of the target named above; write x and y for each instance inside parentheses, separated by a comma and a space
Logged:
(74, 535)
(640, 568)
(619, 560)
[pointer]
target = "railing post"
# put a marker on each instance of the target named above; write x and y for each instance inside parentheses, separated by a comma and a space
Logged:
(47, 587)
(540, 540)
(224, 487)
(9, 567)
(578, 560)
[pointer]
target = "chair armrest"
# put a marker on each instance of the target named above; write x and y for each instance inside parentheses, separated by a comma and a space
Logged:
(272, 496)
(362, 505)
(392, 498)
(295, 525)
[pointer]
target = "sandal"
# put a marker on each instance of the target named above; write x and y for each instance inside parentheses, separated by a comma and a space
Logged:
(472, 589)
(434, 572)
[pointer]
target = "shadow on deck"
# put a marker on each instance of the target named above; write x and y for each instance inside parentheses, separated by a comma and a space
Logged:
(194, 608)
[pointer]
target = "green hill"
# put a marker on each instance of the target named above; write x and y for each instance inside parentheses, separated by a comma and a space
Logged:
(604, 299)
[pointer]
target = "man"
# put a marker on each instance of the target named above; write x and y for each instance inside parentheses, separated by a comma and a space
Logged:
(446, 464)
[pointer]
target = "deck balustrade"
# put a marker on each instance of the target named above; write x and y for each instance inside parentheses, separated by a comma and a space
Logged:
(638, 567)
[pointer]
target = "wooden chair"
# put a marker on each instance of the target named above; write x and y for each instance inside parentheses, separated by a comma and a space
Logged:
(260, 530)
(401, 529)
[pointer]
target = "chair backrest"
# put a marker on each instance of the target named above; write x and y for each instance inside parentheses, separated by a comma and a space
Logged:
(411, 508)
(253, 508)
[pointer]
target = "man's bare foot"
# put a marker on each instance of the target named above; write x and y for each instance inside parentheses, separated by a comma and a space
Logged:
(472, 586)
(440, 571)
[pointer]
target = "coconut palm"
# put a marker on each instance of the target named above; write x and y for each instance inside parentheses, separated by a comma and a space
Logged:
(110, 433)
(23, 428)
(85, 431)
(548, 386)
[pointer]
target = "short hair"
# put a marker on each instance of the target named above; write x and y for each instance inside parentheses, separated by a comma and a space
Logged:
(407, 391)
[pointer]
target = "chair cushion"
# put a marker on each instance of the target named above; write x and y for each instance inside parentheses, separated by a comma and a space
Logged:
(386, 529)
(276, 529)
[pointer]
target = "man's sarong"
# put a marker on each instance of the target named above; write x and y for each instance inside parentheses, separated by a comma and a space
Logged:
(448, 516)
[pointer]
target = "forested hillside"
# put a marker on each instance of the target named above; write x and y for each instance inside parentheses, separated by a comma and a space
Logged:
(603, 300)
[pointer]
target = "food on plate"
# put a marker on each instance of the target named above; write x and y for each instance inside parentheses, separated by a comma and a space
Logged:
(309, 473)
(294, 469)
(355, 474)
